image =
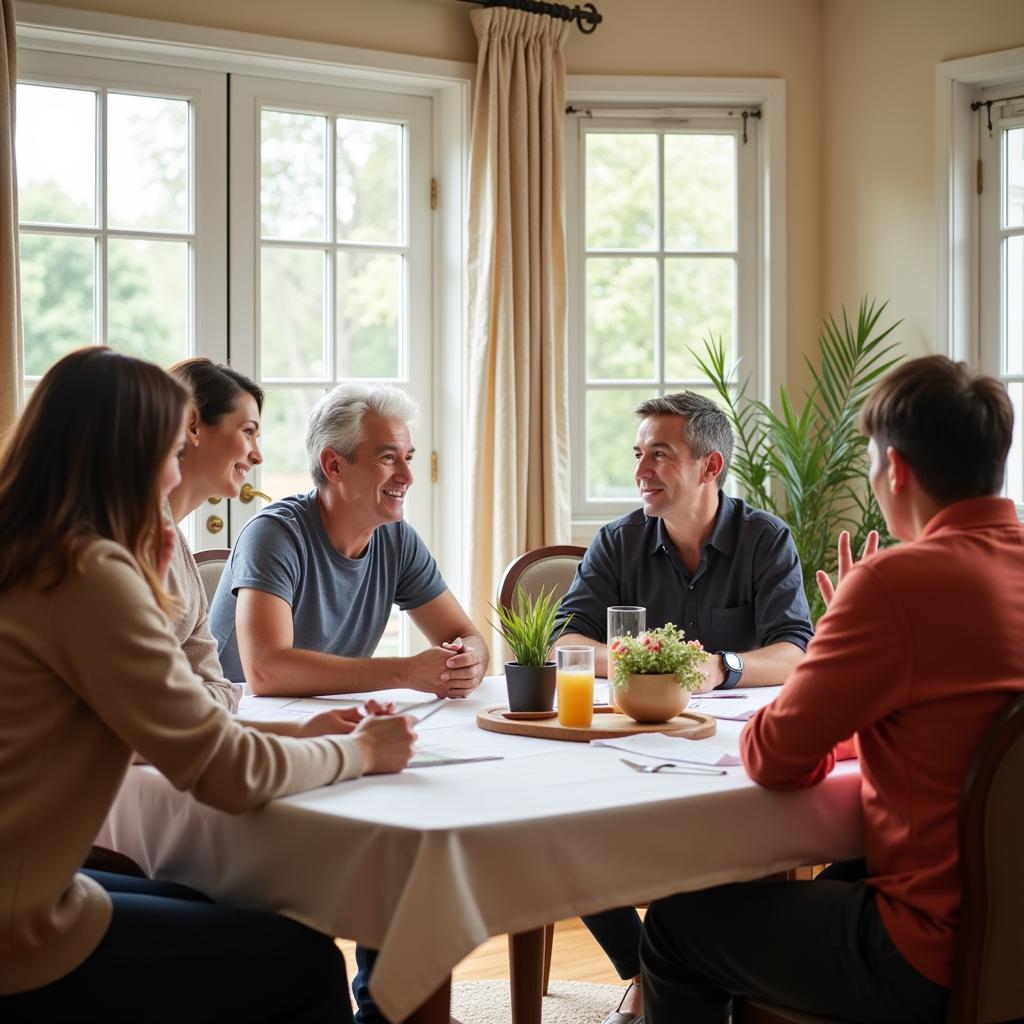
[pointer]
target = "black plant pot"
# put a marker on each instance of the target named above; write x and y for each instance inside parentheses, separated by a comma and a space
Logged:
(530, 687)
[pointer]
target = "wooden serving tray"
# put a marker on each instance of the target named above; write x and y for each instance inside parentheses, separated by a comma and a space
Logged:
(607, 724)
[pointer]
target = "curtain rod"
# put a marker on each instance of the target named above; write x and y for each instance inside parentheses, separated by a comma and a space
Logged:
(988, 104)
(682, 114)
(586, 17)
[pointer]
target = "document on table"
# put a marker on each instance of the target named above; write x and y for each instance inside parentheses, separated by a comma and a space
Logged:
(433, 755)
(673, 748)
(727, 710)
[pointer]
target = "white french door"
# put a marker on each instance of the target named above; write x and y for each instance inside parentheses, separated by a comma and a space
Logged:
(330, 270)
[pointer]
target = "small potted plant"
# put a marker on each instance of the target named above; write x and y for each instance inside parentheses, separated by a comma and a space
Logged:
(529, 630)
(656, 672)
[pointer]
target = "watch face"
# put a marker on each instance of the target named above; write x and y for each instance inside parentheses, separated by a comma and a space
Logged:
(732, 661)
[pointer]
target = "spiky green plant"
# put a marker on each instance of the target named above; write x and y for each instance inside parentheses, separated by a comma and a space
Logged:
(808, 464)
(529, 626)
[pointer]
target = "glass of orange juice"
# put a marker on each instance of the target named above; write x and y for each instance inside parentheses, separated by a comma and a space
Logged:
(623, 620)
(574, 682)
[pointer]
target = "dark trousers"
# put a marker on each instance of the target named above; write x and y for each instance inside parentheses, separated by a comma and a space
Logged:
(618, 934)
(819, 947)
(172, 955)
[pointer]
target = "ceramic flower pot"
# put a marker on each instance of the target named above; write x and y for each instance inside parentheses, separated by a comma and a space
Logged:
(650, 699)
(530, 687)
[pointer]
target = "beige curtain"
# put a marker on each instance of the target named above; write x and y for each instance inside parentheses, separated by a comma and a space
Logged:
(10, 296)
(518, 360)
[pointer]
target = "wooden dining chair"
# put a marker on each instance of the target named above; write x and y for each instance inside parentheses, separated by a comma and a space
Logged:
(211, 562)
(548, 568)
(988, 984)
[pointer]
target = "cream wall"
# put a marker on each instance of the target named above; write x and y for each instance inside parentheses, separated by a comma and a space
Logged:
(879, 143)
(741, 38)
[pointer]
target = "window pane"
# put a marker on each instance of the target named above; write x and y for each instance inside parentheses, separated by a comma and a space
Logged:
(56, 166)
(1014, 355)
(1015, 177)
(285, 470)
(147, 163)
(1015, 463)
(700, 298)
(370, 169)
(293, 175)
(292, 312)
(390, 645)
(148, 300)
(700, 191)
(369, 314)
(621, 310)
(611, 433)
(622, 191)
(57, 275)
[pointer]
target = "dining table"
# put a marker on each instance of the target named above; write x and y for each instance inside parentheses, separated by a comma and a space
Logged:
(485, 834)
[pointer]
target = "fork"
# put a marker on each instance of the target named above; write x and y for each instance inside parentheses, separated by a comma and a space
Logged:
(672, 767)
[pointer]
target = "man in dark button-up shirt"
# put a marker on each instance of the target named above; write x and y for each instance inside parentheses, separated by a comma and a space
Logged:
(724, 572)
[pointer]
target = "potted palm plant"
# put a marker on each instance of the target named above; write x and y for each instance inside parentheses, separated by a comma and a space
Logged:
(656, 672)
(528, 627)
(806, 463)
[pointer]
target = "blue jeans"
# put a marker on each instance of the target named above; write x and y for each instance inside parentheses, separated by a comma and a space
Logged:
(171, 955)
(366, 1008)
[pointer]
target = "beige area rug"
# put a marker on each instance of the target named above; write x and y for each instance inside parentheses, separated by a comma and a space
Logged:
(568, 1002)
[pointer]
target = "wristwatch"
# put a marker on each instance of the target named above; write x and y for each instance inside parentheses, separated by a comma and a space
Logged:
(733, 670)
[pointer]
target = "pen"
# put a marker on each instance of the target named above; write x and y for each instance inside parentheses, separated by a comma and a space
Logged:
(721, 696)
(439, 703)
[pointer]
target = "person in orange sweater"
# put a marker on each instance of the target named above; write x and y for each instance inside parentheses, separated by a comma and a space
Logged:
(90, 672)
(919, 651)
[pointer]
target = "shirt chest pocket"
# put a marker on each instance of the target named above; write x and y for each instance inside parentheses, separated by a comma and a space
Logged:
(732, 629)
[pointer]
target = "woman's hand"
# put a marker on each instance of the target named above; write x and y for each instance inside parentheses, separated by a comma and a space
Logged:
(339, 722)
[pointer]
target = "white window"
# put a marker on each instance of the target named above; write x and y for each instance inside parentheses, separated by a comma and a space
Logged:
(663, 253)
(119, 213)
(330, 258)
(1001, 257)
(331, 267)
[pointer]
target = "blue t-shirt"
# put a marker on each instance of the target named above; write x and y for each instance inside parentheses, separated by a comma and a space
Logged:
(339, 605)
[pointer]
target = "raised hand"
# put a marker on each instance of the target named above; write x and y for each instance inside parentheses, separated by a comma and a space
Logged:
(825, 585)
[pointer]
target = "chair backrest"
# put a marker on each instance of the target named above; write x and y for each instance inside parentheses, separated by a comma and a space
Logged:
(543, 568)
(211, 564)
(989, 982)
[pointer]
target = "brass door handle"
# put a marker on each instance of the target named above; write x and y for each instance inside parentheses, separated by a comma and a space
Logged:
(215, 524)
(248, 492)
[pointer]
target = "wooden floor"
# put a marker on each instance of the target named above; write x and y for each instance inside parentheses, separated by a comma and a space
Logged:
(576, 957)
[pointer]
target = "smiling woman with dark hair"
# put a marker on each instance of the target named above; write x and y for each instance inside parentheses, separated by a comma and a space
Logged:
(90, 672)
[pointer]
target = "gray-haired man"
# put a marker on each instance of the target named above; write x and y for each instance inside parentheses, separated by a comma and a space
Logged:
(311, 581)
(726, 573)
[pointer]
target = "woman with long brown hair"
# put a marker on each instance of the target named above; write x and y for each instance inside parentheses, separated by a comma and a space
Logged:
(90, 672)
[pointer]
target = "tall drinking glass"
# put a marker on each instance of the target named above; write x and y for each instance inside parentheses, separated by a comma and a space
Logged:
(623, 620)
(574, 680)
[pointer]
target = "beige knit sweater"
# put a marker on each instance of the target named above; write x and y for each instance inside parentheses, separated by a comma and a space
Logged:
(192, 626)
(89, 672)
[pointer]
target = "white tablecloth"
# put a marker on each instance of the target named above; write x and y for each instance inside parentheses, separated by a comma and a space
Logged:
(425, 865)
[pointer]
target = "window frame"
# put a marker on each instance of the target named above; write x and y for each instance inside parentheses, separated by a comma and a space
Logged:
(743, 255)
(965, 283)
(205, 91)
(249, 96)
